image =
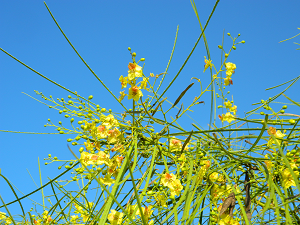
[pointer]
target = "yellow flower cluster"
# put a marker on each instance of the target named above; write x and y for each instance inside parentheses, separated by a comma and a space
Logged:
(207, 64)
(278, 135)
(169, 180)
(176, 145)
(107, 130)
(230, 69)
(228, 116)
(135, 92)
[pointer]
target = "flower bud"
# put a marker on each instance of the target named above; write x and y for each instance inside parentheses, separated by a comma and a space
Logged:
(291, 121)
(103, 109)
(284, 107)
(67, 116)
(74, 143)
(262, 113)
(91, 96)
(69, 139)
(60, 122)
(282, 111)
(134, 54)
(60, 112)
(220, 46)
(69, 96)
(61, 132)
(142, 59)
(226, 55)
(239, 35)
(233, 47)
(243, 42)
(72, 120)
(129, 49)
(228, 34)
(81, 149)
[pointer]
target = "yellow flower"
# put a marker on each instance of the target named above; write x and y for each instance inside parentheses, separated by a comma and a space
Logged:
(287, 178)
(161, 199)
(176, 188)
(110, 121)
(167, 179)
(9, 221)
(86, 158)
(230, 67)
(130, 210)
(227, 81)
(115, 217)
(124, 81)
(74, 218)
(102, 131)
(114, 136)
(122, 95)
(203, 169)
(277, 134)
(228, 104)
(233, 109)
(175, 145)
(134, 93)
(144, 83)
(207, 64)
(227, 117)
(227, 219)
(134, 71)
(147, 212)
(214, 176)
(2, 215)
(107, 180)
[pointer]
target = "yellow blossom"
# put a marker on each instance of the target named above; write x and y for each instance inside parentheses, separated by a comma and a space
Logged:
(214, 176)
(226, 219)
(227, 117)
(277, 135)
(147, 212)
(134, 71)
(107, 180)
(287, 178)
(176, 188)
(109, 121)
(135, 93)
(2, 215)
(167, 179)
(233, 109)
(114, 136)
(230, 67)
(122, 95)
(175, 145)
(74, 219)
(115, 218)
(124, 81)
(102, 131)
(228, 104)
(161, 200)
(144, 83)
(130, 211)
(9, 221)
(207, 64)
(227, 81)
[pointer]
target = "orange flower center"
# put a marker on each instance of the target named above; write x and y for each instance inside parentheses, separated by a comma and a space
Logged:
(131, 66)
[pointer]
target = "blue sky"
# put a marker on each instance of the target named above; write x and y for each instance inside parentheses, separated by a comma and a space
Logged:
(102, 31)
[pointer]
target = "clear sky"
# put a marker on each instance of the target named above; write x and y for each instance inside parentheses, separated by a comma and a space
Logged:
(102, 31)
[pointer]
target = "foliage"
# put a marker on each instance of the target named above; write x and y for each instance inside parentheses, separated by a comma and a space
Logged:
(147, 169)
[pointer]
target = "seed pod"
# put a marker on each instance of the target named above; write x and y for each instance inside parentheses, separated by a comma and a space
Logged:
(182, 94)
